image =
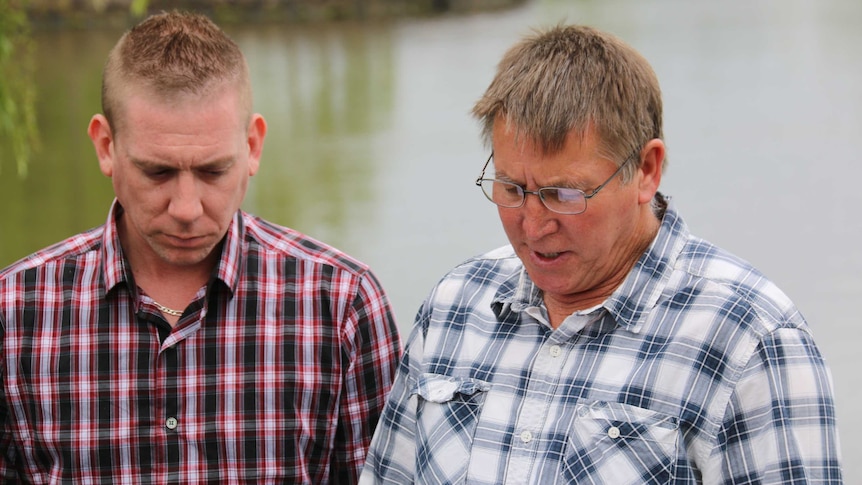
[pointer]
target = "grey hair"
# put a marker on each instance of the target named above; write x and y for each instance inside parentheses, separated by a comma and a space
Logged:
(575, 78)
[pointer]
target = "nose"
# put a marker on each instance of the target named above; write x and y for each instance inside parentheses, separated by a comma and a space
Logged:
(536, 219)
(185, 205)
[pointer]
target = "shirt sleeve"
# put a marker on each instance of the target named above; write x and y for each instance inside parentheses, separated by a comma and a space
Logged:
(371, 350)
(7, 447)
(780, 424)
(8, 473)
(392, 455)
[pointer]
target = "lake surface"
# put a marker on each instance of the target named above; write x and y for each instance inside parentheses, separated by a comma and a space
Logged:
(371, 147)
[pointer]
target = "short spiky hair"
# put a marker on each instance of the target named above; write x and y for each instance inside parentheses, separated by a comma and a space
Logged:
(173, 53)
(575, 78)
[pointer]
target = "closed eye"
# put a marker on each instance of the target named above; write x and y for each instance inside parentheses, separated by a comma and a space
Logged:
(158, 173)
(566, 195)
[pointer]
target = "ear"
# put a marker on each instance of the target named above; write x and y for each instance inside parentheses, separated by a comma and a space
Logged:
(256, 134)
(103, 141)
(649, 173)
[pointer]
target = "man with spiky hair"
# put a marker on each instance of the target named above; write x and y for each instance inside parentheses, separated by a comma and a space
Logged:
(605, 344)
(185, 340)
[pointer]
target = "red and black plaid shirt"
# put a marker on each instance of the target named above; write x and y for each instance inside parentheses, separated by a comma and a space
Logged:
(276, 373)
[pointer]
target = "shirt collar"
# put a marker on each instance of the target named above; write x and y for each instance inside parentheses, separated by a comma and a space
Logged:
(520, 291)
(643, 286)
(230, 263)
(639, 292)
(116, 269)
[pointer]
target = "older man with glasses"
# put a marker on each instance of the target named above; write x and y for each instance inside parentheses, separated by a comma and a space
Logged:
(605, 344)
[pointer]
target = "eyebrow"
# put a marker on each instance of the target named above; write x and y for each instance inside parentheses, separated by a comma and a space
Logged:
(503, 177)
(562, 184)
(151, 165)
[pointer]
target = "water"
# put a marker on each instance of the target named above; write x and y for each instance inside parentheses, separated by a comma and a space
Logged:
(372, 149)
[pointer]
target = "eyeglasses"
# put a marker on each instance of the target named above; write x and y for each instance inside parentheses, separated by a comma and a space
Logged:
(562, 200)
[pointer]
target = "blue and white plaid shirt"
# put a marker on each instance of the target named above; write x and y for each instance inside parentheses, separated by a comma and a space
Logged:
(696, 370)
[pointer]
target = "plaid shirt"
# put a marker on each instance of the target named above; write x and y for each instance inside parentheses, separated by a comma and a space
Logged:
(276, 373)
(697, 369)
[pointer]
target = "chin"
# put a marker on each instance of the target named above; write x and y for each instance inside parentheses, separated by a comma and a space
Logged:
(552, 284)
(185, 258)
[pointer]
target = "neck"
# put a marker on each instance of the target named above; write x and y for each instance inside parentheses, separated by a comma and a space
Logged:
(561, 306)
(171, 285)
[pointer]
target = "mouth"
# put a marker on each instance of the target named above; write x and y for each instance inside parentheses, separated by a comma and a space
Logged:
(185, 241)
(547, 256)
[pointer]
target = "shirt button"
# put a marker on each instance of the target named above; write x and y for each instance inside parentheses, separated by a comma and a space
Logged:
(526, 436)
(171, 423)
(556, 351)
(614, 432)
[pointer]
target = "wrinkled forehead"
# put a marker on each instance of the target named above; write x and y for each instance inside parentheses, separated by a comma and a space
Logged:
(523, 139)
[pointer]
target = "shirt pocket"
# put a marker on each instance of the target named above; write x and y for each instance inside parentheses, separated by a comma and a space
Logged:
(447, 412)
(617, 443)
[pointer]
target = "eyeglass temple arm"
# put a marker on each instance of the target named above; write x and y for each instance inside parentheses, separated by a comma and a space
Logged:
(618, 170)
(485, 167)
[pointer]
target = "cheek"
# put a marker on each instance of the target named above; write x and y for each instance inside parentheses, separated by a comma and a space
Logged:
(610, 226)
(511, 221)
(223, 199)
(240, 187)
(131, 192)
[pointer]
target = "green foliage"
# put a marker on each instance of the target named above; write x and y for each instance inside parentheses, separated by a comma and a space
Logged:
(18, 130)
(139, 7)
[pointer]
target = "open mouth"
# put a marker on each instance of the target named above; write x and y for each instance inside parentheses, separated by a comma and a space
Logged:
(547, 256)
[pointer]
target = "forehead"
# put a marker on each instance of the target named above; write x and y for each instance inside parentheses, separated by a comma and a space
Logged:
(221, 106)
(514, 152)
(533, 138)
(181, 131)
(133, 96)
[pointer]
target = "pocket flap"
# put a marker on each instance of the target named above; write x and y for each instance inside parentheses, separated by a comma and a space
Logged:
(613, 412)
(439, 388)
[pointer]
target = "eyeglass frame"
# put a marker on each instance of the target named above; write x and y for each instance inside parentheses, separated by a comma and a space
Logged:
(538, 192)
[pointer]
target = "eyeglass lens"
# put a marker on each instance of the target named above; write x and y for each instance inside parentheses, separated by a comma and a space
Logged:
(557, 199)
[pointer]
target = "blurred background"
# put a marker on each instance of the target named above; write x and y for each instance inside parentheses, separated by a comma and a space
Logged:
(371, 147)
